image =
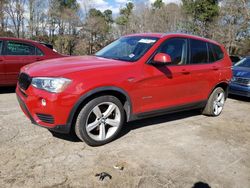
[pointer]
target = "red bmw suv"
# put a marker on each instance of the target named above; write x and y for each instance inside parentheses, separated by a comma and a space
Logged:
(15, 53)
(134, 77)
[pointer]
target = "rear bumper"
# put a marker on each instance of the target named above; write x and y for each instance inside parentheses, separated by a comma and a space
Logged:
(237, 89)
(23, 101)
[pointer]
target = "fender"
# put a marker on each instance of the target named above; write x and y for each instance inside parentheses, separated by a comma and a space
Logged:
(226, 83)
(127, 105)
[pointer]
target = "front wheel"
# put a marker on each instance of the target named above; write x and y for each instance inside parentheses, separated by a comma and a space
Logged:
(100, 120)
(215, 102)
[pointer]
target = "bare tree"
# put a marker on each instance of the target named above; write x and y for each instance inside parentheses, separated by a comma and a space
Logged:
(161, 18)
(2, 15)
(31, 18)
(232, 25)
(15, 11)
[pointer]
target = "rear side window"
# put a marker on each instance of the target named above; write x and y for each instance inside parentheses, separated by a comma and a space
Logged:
(176, 48)
(198, 52)
(1, 45)
(215, 52)
(17, 48)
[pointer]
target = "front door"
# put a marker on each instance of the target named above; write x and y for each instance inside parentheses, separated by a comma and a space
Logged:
(169, 85)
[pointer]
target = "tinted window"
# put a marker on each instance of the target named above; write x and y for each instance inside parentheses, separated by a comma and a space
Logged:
(1, 44)
(216, 52)
(234, 59)
(176, 48)
(243, 63)
(17, 48)
(199, 53)
(39, 52)
(211, 57)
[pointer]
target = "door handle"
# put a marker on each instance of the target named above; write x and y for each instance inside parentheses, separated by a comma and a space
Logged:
(39, 59)
(1, 59)
(184, 71)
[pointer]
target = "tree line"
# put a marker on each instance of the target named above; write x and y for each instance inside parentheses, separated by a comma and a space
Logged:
(78, 29)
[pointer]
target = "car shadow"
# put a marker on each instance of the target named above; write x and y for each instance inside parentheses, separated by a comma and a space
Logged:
(239, 98)
(71, 137)
(154, 121)
(9, 89)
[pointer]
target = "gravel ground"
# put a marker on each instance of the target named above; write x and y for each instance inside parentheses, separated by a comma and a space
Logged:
(175, 150)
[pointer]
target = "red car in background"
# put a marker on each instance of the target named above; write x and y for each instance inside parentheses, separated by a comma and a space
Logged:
(15, 53)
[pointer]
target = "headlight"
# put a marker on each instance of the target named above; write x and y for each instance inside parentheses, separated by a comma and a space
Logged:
(54, 85)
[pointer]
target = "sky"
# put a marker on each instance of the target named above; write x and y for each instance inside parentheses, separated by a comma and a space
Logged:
(115, 5)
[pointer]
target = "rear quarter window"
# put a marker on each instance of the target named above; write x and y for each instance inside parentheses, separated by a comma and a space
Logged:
(215, 52)
(39, 52)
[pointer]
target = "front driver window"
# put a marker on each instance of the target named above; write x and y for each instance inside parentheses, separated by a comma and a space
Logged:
(177, 49)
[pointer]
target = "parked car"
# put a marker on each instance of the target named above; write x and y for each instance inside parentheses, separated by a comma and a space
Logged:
(235, 59)
(136, 76)
(15, 53)
(240, 83)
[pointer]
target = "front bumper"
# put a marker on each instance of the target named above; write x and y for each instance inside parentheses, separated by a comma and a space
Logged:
(57, 106)
(237, 89)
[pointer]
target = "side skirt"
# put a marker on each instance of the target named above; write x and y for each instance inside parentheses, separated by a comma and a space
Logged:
(169, 110)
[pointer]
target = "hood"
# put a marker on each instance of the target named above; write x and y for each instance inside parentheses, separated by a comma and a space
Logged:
(62, 66)
(243, 72)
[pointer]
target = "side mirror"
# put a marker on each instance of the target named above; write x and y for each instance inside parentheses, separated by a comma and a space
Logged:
(162, 59)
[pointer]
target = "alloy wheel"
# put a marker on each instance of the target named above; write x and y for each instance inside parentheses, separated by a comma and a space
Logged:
(218, 103)
(103, 121)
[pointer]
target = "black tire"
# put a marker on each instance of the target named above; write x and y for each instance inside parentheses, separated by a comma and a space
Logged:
(209, 108)
(81, 122)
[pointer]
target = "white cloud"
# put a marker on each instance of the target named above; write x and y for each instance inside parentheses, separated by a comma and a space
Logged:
(101, 5)
(115, 10)
(115, 5)
(121, 1)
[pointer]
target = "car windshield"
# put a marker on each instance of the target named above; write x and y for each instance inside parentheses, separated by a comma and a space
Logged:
(127, 48)
(243, 63)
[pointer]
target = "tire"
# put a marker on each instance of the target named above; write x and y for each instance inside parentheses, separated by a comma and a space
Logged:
(100, 120)
(215, 103)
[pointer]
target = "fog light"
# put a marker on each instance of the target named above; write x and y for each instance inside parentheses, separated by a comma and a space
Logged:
(43, 101)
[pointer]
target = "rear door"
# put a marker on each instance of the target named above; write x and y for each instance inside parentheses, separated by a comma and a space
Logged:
(204, 73)
(16, 55)
(2, 81)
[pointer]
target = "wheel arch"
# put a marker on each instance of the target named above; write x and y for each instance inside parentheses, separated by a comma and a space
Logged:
(109, 90)
(224, 85)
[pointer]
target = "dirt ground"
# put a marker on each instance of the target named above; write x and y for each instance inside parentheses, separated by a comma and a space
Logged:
(177, 150)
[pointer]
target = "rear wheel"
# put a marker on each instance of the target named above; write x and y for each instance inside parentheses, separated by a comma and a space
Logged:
(100, 120)
(215, 102)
